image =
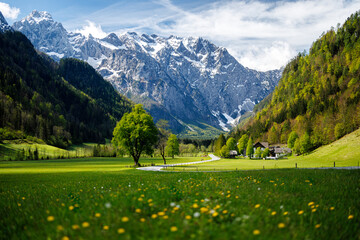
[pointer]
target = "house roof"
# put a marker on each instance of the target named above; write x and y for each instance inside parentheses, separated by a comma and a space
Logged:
(262, 144)
(233, 152)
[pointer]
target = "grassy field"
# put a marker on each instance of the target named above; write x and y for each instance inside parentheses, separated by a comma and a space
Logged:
(344, 152)
(83, 164)
(106, 204)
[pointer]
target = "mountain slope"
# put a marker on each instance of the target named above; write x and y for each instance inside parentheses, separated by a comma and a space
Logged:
(36, 101)
(319, 93)
(184, 80)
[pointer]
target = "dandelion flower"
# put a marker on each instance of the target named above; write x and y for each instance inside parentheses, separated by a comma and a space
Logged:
(124, 219)
(350, 217)
(204, 210)
(313, 210)
(225, 211)
(257, 205)
(332, 208)
(154, 216)
(273, 213)
(60, 228)
(121, 231)
(317, 225)
(142, 220)
(65, 238)
(140, 199)
(75, 226)
(311, 203)
(215, 214)
(300, 212)
(106, 227)
(173, 229)
(166, 217)
(286, 213)
(97, 215)
(188, 217)
(138, 210)
(71, 208)
(195, 205)
(85, 224)
(161, 213)
(281, 225)
(256, 232)
(50, 218)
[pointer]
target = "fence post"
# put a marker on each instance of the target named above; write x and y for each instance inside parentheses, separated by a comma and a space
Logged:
(295, 165)
(334, 164)
(263, 167)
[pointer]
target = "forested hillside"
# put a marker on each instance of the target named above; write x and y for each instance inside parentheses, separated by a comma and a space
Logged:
(35, 100)
(319, 93)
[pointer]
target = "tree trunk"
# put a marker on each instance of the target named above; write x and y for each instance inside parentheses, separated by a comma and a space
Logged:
(163, 156)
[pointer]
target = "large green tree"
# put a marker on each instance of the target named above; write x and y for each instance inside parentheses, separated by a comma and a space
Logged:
(172, 146)
(292, 138)
(136, 132)
(231, 143)
(249, 148)
(219, 143)
(243, 143)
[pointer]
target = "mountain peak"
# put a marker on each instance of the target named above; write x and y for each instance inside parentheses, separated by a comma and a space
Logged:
(38, 16)
(4, 26)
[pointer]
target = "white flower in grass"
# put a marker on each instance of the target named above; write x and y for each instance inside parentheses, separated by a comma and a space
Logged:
(196, 214)
(108, 205)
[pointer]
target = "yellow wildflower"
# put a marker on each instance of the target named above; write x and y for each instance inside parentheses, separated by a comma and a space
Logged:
(106, 227)
(142, 220)
(350, 217)
(188, 217)
(257, 205)
(154, 216)
(97, 215)
(75, 226)
(65, 238)
(317, 225)
(225, 211)
(203, 210)
(273, 213)
(165, 217)
(50, 218)
(121, 231)
(71, 208)
(311, 203)
(286, 213)
(332, 208)
(215, 214)
(300, 212)
(161, 213)
(173, 229)
(195, 205)
(281, 225)
(138, 210)
(124, 219)
(85, 224)
(313, 210)
(256, 232)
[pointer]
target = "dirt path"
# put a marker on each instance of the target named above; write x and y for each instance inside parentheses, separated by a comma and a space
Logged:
(158, 168)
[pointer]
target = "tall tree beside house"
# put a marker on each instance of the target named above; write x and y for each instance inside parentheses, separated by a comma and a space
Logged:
(258, 153)
(250, 148)
(231, 143)
(172, 146)
(219, 143)
(225, 151)
(305, 143)
(243, 143)
(164, 133)
(265, 153)
(136, 132)
(292, 138)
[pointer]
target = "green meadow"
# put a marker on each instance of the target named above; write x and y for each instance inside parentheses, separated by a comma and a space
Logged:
(110, 203)
(344, 152)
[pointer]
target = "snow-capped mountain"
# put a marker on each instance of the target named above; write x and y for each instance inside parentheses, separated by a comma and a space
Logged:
(4, 26)
(184, 80)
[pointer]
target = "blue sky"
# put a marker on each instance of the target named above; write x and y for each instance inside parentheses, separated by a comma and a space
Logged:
(261, 34)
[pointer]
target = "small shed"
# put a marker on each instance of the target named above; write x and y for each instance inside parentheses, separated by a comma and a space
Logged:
(233, 153)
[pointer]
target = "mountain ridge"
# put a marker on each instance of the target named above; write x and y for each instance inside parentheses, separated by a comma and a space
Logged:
(191, 79)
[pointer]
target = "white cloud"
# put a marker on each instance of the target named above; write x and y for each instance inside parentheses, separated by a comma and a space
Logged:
(93, 29)
(9, 12)
(261, 35)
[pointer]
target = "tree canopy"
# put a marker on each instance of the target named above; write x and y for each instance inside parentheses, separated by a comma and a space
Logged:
(136, 133)
(172, 146)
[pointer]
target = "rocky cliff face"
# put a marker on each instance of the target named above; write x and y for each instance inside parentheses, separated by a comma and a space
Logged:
(187, 81)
